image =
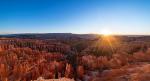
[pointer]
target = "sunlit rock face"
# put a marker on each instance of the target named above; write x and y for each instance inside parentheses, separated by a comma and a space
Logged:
(61, 79)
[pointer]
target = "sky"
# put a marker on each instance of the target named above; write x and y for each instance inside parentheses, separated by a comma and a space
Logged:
(75, 16)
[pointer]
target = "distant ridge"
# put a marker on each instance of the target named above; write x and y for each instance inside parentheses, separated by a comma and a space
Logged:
(51, 36)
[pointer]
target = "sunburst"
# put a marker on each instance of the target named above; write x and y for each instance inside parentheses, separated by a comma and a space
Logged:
(106, 32)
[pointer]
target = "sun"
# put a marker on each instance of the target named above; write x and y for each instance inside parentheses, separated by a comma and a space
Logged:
(106, 32)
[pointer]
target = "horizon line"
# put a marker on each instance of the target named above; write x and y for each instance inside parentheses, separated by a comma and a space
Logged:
(69, 33)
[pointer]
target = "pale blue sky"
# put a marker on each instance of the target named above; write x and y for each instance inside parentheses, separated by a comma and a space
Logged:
(75, 16)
